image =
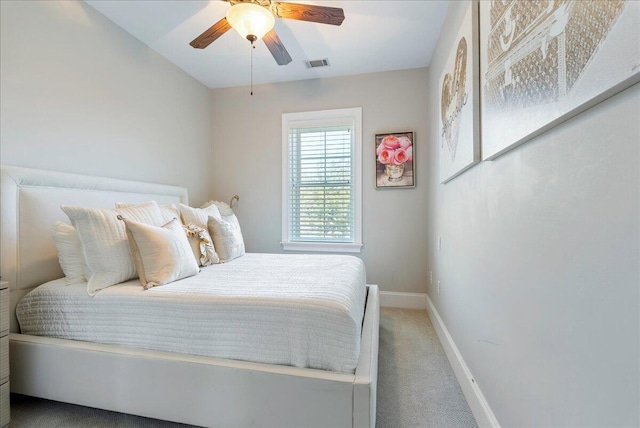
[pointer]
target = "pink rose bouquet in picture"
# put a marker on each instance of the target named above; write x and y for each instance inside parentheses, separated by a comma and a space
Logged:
(393, 152)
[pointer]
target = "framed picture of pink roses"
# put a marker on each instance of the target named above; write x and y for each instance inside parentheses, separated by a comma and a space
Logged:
(394, 160)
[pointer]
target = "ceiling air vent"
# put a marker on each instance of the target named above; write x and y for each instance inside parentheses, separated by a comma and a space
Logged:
(317, 63)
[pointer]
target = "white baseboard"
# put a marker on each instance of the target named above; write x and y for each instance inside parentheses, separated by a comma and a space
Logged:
(478, 404)
(392, 299)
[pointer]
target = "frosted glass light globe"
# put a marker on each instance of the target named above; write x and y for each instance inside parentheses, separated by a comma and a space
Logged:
(250, 20)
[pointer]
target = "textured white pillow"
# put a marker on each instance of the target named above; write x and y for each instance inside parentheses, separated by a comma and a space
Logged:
(162, 254)
(104, 241)
(227, 238)
(226, 212)
(223, 207)
(169, 212)
(198, 216)
(70, 253)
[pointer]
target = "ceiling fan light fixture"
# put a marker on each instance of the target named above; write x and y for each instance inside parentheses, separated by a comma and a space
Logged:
(250, 20)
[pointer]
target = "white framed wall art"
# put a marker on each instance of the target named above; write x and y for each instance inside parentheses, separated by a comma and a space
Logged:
(459, 105)
(544, 61)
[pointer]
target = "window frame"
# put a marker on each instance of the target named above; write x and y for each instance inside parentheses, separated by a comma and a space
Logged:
(316, 119)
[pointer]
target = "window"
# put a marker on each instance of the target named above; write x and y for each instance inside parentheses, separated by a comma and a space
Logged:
(321, 181)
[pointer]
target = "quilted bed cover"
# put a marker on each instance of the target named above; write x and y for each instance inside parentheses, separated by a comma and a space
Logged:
(298, 310)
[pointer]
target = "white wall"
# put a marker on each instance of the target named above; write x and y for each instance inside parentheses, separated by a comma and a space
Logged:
(248, 160)
(79, 94)
(540, 264)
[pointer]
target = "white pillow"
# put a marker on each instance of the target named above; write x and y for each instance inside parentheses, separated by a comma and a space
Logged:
(201, 245)
(169, 212)
(104, 241)
(199, 216)
(227, 238)
(199, 237)
(226, 212)
(223, 207)
(162, 254)
(70, 253)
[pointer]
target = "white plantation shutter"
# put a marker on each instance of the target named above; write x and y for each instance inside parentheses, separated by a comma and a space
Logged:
(321, 180)
(321, 184)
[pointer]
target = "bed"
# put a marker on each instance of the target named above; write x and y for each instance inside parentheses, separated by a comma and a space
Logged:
(175, 386)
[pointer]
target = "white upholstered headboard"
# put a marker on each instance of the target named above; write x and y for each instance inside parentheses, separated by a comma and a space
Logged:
(30, 202)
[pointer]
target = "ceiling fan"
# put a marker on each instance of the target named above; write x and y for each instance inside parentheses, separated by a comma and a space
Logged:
(254, 19)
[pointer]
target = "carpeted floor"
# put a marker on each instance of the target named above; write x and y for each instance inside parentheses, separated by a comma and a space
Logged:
(416, 386)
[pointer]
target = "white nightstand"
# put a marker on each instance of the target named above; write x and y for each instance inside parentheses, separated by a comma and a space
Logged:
(5, 412)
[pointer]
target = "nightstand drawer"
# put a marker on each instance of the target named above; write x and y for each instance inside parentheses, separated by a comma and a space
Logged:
(4, 359)
(4, 312)
(5, 411)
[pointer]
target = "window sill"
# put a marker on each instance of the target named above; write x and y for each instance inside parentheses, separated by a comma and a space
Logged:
(322, 247)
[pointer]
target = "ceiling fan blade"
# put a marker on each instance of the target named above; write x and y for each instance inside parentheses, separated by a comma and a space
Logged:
(276, 48)
(209, 36)
(307, 12)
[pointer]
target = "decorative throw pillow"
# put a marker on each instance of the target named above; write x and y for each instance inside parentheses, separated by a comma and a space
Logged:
(198, 216)
(169, 212)
(162, 254)
(201, 245)
(223, 207)
(226, 212)
(104, 241)
(70, 253)
(227, 238)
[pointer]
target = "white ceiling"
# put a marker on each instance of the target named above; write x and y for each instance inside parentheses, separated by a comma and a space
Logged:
(376, 35)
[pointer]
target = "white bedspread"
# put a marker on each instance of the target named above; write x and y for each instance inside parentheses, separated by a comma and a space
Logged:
(299, 310)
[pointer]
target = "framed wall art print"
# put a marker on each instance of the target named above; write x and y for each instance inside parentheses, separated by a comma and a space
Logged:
(544, 61)
(459, 105)
(395, 160)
